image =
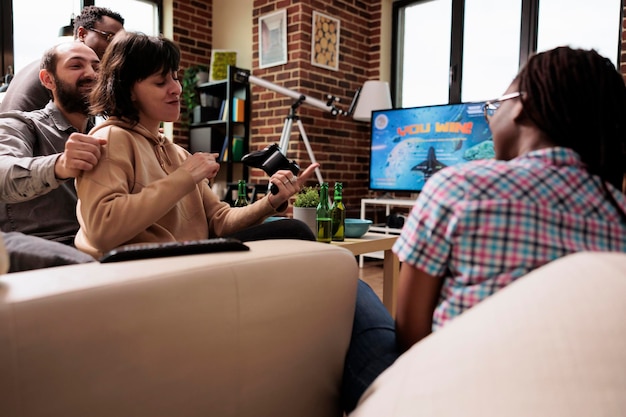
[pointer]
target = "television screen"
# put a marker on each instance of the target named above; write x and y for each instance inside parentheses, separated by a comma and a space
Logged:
(409, 145)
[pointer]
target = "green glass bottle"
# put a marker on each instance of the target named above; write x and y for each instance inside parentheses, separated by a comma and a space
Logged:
(242, 194)
(322, 216)
(338, 214)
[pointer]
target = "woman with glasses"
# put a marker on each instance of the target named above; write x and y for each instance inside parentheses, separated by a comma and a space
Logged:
(559, 134)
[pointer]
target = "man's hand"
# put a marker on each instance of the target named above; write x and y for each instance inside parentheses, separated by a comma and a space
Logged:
(82, 153)
(201, 165)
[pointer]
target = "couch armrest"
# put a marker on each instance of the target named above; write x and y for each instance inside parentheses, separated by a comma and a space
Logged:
(553, 343)
(258, 333)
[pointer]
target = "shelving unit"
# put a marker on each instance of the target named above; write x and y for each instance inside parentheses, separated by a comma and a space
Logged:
(388, 203)
(220, 130)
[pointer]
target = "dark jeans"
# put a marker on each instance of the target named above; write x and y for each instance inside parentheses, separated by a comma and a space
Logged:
(31, 252)
(372, 346)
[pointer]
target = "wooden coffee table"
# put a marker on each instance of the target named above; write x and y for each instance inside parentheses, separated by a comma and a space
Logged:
(374, 242)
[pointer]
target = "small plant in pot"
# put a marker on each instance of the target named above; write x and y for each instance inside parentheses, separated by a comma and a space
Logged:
(189, 94)
(305, 206)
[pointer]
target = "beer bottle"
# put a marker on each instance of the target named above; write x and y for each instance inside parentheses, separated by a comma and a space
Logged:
(322, 216)
(338, 214)
(242, 192)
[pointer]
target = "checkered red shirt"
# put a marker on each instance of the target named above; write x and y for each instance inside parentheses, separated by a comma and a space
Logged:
(483, 224)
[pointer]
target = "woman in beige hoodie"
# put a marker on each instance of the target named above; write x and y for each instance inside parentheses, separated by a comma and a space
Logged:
(145, 188)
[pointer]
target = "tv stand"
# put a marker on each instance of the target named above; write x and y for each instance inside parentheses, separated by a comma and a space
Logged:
(382, 228)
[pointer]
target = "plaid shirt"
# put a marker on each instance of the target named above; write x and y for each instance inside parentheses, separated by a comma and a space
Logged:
(481, 225)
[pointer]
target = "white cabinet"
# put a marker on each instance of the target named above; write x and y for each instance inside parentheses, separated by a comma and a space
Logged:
(388, 203)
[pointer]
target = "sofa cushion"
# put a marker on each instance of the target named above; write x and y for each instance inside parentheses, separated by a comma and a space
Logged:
(258, 333)
(551, 344)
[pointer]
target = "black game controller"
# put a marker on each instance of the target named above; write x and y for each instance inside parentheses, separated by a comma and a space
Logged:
(270, 160)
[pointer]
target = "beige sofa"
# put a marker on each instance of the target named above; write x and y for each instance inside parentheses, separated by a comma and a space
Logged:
(258, 333)
(264, 333)
(551, 344)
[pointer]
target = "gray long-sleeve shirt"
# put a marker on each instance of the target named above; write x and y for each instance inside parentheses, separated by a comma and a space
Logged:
(32, 200)
(26, 92)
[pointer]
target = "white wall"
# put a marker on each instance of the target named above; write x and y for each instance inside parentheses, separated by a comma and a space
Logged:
(232, 29)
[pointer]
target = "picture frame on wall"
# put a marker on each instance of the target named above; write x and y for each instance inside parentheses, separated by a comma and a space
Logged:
(325, 41)
(273, 39)
(220, 60)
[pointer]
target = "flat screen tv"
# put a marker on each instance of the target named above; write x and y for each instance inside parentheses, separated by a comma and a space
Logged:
(407, 146)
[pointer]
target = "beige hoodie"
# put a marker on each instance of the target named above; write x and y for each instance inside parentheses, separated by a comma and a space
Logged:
(137, 194)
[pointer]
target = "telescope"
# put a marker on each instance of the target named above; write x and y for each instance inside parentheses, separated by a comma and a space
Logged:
(244, 76)
(330, 106)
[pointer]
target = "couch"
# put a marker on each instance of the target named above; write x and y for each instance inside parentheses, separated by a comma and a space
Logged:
(258, 333)
(264, 333)
(551, 344)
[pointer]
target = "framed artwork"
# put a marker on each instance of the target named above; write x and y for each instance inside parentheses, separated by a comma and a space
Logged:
(220, 60)
(273, 39)
(325, 41)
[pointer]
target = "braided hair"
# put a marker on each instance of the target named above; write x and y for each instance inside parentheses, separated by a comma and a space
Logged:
(578, 98)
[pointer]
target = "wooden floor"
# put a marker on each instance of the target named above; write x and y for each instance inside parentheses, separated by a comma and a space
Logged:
(372, 273)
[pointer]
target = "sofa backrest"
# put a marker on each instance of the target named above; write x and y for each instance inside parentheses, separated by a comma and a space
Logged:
(551, 344)
(258, 333)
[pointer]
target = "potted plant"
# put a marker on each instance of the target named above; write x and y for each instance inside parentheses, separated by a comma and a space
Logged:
(189, 94)
(305, 206)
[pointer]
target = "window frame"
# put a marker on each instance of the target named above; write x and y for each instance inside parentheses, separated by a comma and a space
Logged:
(6, 31)
(528, 43)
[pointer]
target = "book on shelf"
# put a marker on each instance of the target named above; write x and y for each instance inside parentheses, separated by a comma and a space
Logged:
(222, 112)
(234, 151)
(237, 148)
(239, 105)
(224, 153)
(224, 115)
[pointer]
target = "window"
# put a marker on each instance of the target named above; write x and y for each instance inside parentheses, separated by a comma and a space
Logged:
(36, 28)
(36, 25)
(139, 15)
(451, 51)
(582, 24)
(424, 63)
(491, 43)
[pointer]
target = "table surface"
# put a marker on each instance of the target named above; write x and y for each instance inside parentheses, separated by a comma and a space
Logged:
(369, 242)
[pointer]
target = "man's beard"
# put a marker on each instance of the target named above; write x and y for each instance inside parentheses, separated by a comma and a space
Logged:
(71, 98)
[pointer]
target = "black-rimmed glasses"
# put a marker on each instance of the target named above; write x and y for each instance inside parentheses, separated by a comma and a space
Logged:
(107, 36)
(491, 106)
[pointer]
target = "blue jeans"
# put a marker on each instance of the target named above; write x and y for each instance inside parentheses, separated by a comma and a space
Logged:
(372, 346)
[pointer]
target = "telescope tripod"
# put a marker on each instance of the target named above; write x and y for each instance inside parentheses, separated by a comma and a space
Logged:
(286, 134)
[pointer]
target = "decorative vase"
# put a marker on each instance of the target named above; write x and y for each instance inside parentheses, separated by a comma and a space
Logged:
(306, 215)
(202, 77)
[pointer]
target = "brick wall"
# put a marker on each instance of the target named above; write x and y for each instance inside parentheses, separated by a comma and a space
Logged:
(339, 144)
(192, 32)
